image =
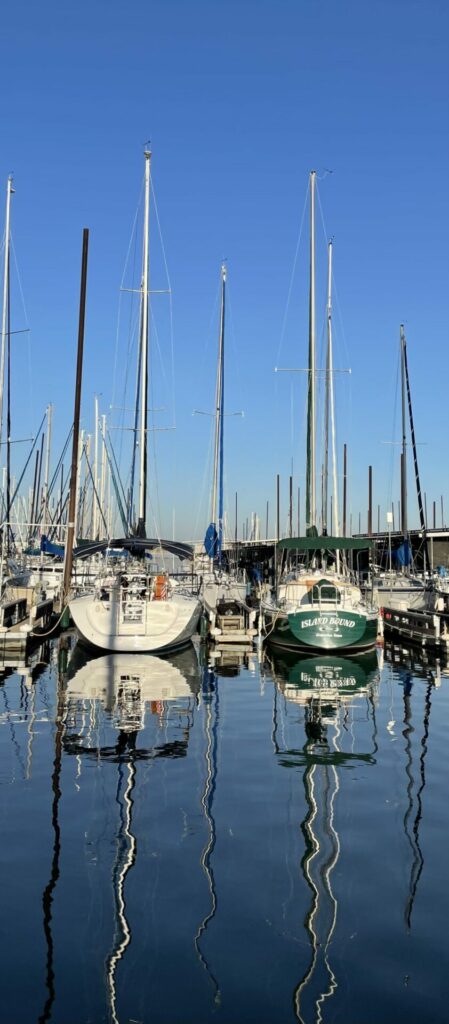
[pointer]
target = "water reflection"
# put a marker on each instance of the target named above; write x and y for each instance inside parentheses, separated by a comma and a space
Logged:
(210, 692)
(48, 894)
(126, 852)
(28, 669)
(415, 767)
(139, 870)
(134, 692)
(326, 689)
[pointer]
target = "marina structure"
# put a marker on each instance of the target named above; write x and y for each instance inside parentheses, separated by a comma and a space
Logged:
(320, 590)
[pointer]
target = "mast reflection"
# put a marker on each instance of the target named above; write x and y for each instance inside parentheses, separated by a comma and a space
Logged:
(211, 722)
(326, 688)
(415, 788)
(126, 852)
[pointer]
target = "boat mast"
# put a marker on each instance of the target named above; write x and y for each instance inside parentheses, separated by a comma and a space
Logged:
(68, 557)
(9, 192)
(404, 438)
(422, 518)
(217, 481)
(141, 526)
(330, 375)
(49, 412)
(311, 418)
(325, 468)
(95, 476)
(8, 420)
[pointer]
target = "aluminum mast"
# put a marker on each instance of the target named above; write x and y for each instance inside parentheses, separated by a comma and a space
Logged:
(141, 526)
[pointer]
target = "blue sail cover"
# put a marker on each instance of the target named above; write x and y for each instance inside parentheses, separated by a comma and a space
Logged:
(51, 549)
(403, 554)
(211, 541)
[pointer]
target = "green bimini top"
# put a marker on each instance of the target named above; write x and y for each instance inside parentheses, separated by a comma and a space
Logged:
(325, 543)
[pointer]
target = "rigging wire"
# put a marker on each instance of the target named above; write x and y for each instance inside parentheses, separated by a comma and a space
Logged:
(292, 276)
(132, 320)
(28, 329)
(207, 472)
(164, 257)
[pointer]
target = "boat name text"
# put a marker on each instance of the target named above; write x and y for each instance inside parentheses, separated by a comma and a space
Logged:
(322, 621)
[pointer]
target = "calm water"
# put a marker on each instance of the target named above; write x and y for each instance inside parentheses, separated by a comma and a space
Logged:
(257, 842)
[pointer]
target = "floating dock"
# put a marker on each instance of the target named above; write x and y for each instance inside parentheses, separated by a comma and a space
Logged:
(23, 619)
(428, 630)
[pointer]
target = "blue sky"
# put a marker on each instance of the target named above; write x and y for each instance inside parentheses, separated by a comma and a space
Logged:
(240, 101)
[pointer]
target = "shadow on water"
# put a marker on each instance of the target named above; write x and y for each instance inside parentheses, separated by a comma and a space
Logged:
(323, 689)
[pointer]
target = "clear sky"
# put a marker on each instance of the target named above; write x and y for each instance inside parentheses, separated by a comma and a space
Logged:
(240, 100)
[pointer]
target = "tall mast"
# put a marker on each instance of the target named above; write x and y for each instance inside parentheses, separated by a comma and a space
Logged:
(330, 376)
(141, 526)
(9, 192)
(49, 412)
(103, 465)
(404, 438)
(217, 481)
(95, 475)
(220, 482)
(311, 417)
(68, 559)
(8, 421)
(422, 514)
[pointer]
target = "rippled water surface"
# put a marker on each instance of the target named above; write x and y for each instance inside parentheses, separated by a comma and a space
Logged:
(249, 839)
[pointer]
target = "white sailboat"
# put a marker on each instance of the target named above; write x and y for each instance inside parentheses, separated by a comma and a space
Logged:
(136, 610)
(317, 604)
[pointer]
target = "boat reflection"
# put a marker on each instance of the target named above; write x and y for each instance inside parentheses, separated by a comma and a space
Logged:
(135, 691)
(327, 689)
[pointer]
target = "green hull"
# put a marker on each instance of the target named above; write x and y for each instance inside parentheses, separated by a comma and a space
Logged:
(324, 631)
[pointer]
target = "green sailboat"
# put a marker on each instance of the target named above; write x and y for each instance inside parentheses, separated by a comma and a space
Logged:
(317, 604)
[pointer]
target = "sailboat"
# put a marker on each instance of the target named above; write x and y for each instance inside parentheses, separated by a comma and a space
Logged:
(317, 604)
(136, 610)
(220, 587)
(402, 587)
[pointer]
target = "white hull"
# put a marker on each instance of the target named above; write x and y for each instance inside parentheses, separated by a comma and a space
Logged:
(157, 626)
(214, 591)
(399, 592)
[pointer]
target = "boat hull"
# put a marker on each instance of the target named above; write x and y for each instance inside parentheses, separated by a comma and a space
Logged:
(306, 630)
(165, 626)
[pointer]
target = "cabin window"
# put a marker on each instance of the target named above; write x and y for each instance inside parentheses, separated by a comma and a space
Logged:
(325, 592)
